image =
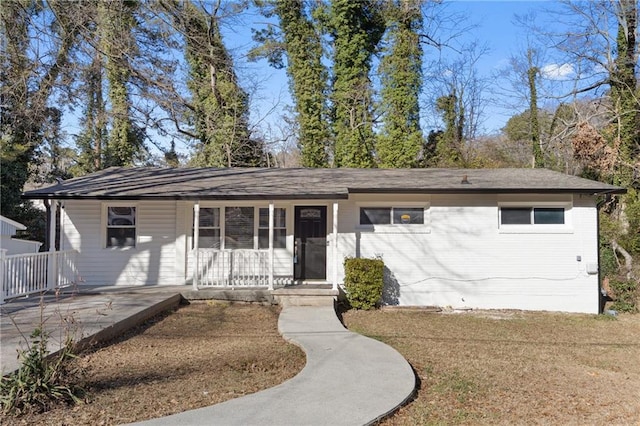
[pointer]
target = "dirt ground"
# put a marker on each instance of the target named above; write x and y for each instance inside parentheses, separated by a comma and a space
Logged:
(499, 368)
(492, 367)
(199, 355)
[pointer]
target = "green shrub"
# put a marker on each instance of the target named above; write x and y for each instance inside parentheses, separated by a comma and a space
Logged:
(41, 382)
(608, 262)
(625, 295)
(363, 281)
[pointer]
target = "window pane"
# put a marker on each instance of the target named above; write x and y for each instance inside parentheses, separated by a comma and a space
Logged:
(515, 216)
(548, 216)
(279, 218)
(121, 216)
(408, 216)
(279, 238)
(375, 215)
(238, 227)
(121, 237)
(210, 217)
(209, 238)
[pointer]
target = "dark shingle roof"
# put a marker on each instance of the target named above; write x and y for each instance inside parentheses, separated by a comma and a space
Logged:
(263, 183)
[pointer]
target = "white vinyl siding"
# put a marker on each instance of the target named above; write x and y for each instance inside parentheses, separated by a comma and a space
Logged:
(460, 257)
(151, 262)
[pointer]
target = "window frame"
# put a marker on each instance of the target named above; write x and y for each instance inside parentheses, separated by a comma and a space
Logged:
(219, 227)
(253, 227)
(223, 207)
(532, 226)
(105, 226)
(392, 227)
(275, 228)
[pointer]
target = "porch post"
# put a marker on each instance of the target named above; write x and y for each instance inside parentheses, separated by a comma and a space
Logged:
(335, 245)
(271, 214)
(196, 245)
(52, 276)
(3, 261)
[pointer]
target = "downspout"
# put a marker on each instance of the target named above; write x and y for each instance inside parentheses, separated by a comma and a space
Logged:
(601, 295)
(47, 235)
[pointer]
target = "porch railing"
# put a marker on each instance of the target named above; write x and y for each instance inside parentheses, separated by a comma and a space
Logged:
(232, 268)
(24, 274)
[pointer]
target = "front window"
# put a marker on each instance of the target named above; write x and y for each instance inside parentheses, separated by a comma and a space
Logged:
(238, 227)
(391, 215)
(279, 228)
(209, 231)
(532, 216)
(121, 226)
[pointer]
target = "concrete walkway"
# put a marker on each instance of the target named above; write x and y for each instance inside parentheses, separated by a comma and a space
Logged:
(349, 379)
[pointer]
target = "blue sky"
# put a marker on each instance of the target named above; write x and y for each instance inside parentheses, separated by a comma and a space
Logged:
(492, 21)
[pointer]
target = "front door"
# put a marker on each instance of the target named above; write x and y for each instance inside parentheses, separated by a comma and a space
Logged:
(310, 248)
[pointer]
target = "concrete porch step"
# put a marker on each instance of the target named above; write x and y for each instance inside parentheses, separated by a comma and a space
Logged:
(305, 295)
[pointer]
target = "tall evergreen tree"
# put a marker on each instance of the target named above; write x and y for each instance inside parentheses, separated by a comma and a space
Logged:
(93, 138)
(26, 84)
(534, 124)
(356, 29)
(308, 77)
(625, 94)
(401, 138)
(219, 106)
(116, 23)
(449, 142)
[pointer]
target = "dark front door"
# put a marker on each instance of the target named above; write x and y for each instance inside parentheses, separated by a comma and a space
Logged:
(310, 250)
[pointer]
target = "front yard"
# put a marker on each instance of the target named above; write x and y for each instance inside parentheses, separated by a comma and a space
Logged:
(491, 367)
(497, 367)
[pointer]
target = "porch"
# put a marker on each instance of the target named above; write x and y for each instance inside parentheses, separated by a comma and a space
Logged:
(240, 248)
(34, 273)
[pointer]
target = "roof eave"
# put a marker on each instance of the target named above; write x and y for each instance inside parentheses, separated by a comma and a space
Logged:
(232, 197)
(590, 191)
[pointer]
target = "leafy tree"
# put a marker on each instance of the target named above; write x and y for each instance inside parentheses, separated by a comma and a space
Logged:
(401, 138)
(449, 142)
(458, 104)
(27, 80)
(116, 22)
(300, 41)
(356, 29)
(534, 124)
(608, 62)
(219, 107)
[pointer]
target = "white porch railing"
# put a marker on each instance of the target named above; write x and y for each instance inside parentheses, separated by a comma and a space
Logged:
(232, 268)
(23, 274)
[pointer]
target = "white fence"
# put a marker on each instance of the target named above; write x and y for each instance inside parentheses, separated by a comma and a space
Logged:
(232, 268)
(23, 274)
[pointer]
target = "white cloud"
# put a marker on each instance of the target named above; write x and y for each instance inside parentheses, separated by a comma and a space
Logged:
(557, 71)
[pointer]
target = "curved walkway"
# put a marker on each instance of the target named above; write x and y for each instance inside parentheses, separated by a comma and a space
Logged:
(349, 379)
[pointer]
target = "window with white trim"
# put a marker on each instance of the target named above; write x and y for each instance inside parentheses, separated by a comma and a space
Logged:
(532, 216)
(279, 228)
(238, 227)
(391, 216)
(209, 230)
(121, 226)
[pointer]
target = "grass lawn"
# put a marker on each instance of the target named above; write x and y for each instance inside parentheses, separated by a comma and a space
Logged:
(490, 367)
(502, 367)
(199, 355)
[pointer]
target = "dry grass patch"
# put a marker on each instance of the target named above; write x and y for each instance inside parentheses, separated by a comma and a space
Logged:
(513, 367)
(199, 355)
